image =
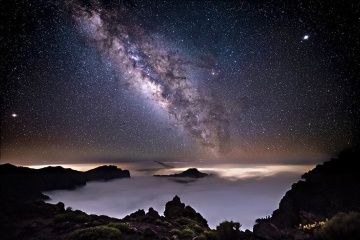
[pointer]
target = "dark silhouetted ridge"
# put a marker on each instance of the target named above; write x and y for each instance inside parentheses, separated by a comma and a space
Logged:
(328, 189)
(191, 173)
(28, 184)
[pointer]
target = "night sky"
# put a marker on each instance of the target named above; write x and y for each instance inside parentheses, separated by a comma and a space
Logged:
(232, 81)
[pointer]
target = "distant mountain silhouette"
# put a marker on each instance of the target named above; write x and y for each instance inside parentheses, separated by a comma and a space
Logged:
(28, 184)
(191, 173)
(106, 173)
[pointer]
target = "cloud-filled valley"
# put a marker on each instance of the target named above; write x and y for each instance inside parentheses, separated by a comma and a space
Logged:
(216, 198)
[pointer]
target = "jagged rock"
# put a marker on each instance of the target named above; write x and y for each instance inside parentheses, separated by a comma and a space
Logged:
(152, 213)
(189, 212)
(175, 209)
(266, 231)
(60, 206)
(138, 214)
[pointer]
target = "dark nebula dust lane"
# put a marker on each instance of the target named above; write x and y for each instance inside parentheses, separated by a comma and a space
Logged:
(154, 71)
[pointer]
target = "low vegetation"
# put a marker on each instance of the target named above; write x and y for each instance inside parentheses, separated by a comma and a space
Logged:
(341, 226)
(96, 233)
(123, 227)
(228, 230)
(187, 233)
(72, 216)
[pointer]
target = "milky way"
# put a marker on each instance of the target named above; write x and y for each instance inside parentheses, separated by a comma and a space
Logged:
(159, 74)
(248, 81)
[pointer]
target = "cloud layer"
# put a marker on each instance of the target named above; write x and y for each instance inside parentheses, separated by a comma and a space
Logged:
(217, 199)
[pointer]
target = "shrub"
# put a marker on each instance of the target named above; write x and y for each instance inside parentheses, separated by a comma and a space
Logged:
(103, 219)
(183, 221)
(175, 231)
(210, 235)
(166, 224)
(96, 233)
(202, 237)
(189, 223)
(123, 227)
(228, 230)
(196, 228)
(342, 226)
(187, 233)
(158, 222)
(78, 217)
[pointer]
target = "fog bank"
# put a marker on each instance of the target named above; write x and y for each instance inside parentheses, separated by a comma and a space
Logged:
(216, 198)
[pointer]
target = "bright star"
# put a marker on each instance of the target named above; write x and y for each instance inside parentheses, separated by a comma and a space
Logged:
(306, 37)
(14, 115)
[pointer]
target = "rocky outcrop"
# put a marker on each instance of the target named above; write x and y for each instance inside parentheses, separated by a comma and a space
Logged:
(152, 214)
(140, 216)
(28, 184)
(190, 173)
(136, 215)
(329, 188)
(176, 209)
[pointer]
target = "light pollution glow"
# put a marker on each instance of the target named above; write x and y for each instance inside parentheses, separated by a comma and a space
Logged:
(228, 171)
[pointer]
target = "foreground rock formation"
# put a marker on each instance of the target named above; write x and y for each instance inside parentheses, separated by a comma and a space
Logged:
(176, 209)
(39, 220)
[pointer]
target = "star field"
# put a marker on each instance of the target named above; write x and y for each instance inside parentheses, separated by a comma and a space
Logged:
(248, 81)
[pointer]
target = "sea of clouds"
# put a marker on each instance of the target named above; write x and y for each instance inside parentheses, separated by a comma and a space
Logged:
(238, 194)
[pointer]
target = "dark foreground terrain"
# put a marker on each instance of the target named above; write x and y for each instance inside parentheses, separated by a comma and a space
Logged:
(324, 205)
